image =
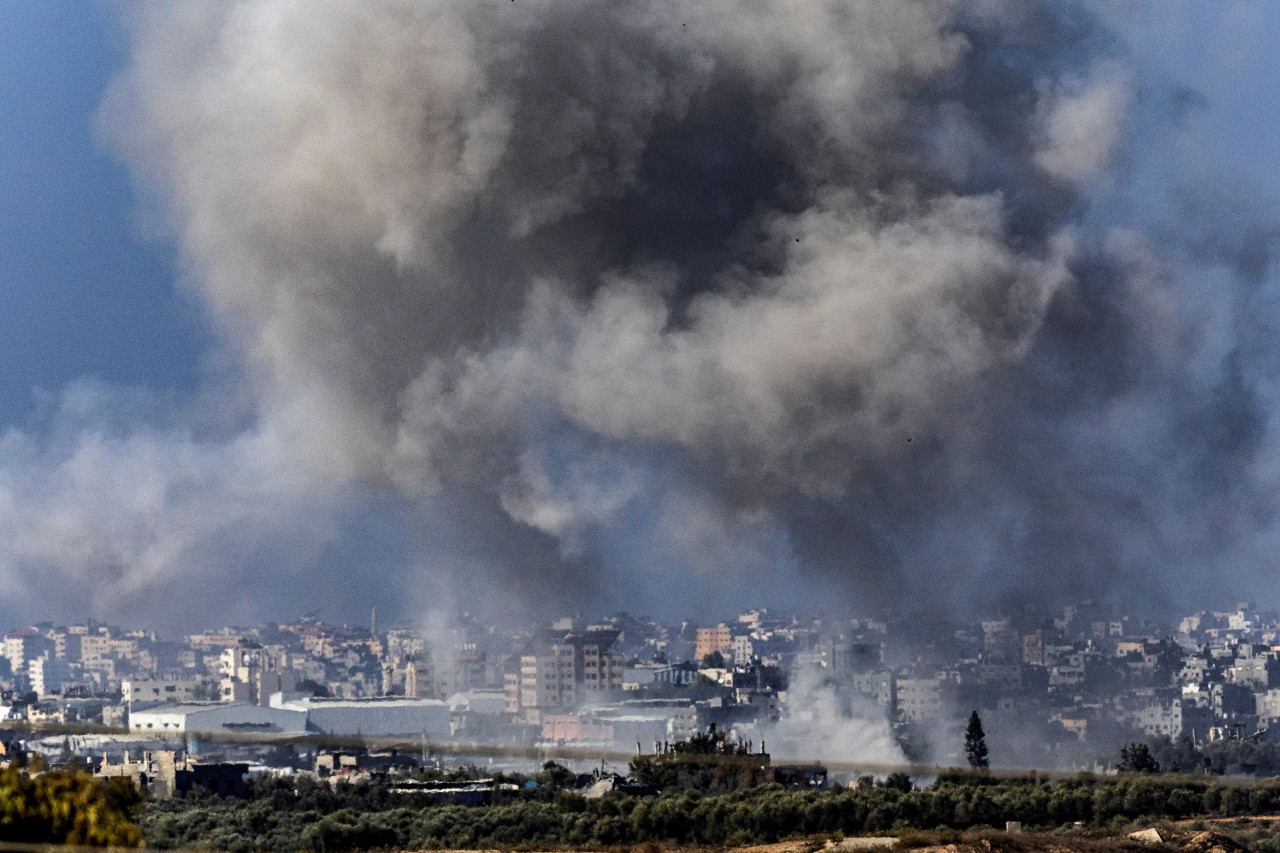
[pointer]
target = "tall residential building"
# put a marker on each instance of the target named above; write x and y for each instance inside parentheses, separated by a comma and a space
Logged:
(558, 671)
(252, 673)
(25, 645)
(717, 639)
(419, 676)
(47, 675)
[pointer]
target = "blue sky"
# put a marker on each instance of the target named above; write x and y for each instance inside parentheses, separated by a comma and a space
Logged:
(92, 297)
(86, 293)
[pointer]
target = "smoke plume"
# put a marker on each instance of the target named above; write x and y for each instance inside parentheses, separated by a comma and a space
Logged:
(761, 296)
(822, 720)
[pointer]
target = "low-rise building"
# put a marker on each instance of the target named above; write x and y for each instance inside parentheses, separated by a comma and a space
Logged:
(165, 773)
(378, 717)
(140, 691)
(217, 718)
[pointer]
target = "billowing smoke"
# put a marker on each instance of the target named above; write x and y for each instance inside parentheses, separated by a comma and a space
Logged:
(839, 725)
(767, 296)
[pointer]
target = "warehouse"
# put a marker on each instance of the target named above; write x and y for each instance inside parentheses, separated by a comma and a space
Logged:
(217, 717)
(375, 717)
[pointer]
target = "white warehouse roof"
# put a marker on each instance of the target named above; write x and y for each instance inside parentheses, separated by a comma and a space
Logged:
(216, 717)
(378, 717)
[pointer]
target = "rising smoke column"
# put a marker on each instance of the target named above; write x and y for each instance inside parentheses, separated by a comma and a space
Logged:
(762, 290)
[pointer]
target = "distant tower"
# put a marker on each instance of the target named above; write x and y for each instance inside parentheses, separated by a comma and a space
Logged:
(373, 628)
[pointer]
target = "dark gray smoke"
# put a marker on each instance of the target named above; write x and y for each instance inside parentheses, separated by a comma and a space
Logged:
(751, 295)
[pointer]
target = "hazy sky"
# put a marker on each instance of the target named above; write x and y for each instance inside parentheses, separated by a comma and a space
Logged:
(691, 309)
(87, 293)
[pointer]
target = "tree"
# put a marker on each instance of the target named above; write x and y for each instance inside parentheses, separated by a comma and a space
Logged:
(1137, 758)
(713, 660)
(975, 743)
(898, 782)
(68, 808)
(315, 687)
(912, 738)
(556, 776)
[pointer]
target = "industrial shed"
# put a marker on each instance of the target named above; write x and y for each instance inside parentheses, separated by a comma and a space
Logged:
(217, 717)
(377, 717)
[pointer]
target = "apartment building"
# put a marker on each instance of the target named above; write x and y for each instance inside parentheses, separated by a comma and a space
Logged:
(558, 672)
(717, 639)
(137, 691)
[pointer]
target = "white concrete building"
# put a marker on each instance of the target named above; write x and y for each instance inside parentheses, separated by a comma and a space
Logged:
(478, 701)
(378, 717)
(138, 691)
(922, 699)
(217, 717)
(47, 675)
(24, 645)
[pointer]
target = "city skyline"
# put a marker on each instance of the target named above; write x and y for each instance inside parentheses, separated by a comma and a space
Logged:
(1058, 691)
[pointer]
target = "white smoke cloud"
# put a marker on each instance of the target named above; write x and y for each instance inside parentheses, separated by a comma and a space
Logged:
(822, 720)
(777, 285)
(591, 491)
(1084, 124)
(100, 520)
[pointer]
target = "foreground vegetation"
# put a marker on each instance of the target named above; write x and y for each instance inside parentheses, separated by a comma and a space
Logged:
(69, 807)
(280, 816)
